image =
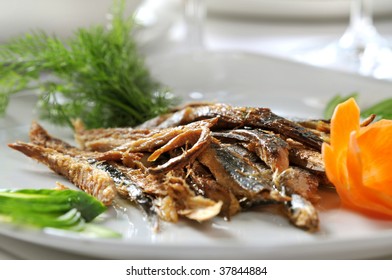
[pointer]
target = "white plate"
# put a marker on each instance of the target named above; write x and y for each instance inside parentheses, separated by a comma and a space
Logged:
(292, 9)
(289, 88)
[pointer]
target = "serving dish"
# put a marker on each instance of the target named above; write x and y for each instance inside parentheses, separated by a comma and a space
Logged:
(289, 89)
(291, 9)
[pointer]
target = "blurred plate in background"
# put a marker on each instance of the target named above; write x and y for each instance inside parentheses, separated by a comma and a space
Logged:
(60, 17)
(292, 9)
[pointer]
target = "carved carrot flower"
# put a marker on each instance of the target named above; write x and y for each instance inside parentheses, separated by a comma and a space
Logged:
(358, 161)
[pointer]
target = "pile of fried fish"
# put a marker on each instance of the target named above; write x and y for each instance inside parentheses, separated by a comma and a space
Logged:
(197, 162)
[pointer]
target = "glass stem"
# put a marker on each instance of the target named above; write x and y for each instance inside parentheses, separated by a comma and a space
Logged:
(361, 31)
(194, 13)
(361, 13)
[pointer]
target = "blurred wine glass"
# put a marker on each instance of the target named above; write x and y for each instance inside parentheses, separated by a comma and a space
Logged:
(185, 64)
(194, 13)
(360, 49)
(171, 26)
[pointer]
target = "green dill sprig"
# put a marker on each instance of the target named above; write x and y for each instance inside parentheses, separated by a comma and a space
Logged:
(97, 75)
(382, 109)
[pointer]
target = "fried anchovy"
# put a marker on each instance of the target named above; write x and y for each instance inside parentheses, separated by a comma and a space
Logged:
(135, 194)
(203, 183)
(235, 117)
(244, 179)
(195, 137)
(77, 170)
(299, 181)
(253, 186)
(302, 213)
(105, 139)
(39, 136)
(269, 147)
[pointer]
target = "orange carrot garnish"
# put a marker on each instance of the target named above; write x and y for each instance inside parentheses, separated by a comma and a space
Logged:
(358, 161)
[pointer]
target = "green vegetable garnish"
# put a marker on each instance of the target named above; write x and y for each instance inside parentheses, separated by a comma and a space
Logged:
(97, 75)
(382, 109)
(61, 209)
(334, 101)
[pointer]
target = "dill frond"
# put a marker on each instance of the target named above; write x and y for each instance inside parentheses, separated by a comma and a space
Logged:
(97, 75)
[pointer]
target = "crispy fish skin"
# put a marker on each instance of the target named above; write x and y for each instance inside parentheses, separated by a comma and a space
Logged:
(194, 137)
(270, 148)
(247, 183)
(304, 157)
(173, 195)
(299, 181)
(133, 181)
(252, 186)
(124, 186)
(236, 117)
(302, 213)
(307, 159)
(133, 192)
(316, 124)
(78, 171)
(157, 139)
(158, 122)
(39, 136)
(105, 139)
(203, 183)
(190, 205)
(198, 139)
